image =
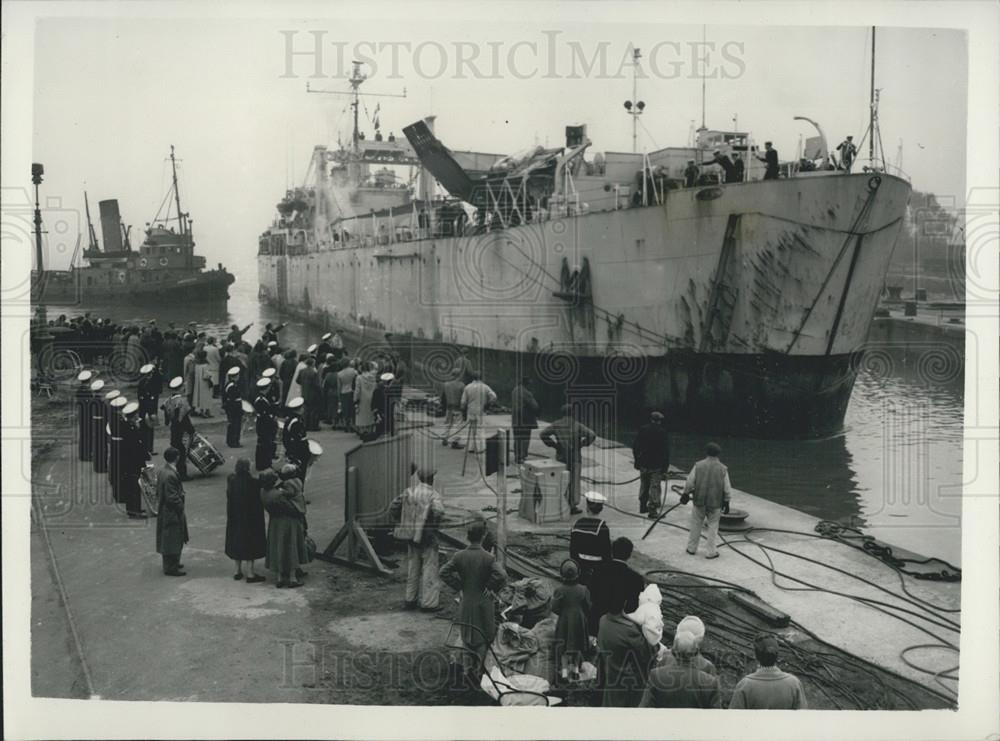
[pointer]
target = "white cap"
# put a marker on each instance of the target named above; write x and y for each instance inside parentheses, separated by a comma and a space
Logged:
(176, 382)
(119, 401)
(113, 394)
(131, 408)
(596, 497)
(386, 377)
(234, 371)
(147, 368)
(268, 372)
(263, 383)
(85, 376)
(295, 403)
(311, 349)
(327, 336)
(272, 343)
(97, 385)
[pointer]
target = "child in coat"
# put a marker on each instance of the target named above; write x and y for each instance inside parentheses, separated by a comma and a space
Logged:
(571, 602)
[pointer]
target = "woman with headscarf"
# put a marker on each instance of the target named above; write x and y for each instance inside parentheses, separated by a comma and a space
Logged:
(364, 388)
(286, 527)
(201, 396)
(245, 538)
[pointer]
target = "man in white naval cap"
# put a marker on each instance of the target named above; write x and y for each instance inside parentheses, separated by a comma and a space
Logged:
(293, 436)
(266, 424)
(384, 405)
(323, 348)
(148, 397)
(177, 412)
(233, 407)
(134, 457)
(116, 447)
(98, 435)
(590, 537)
(84, 400)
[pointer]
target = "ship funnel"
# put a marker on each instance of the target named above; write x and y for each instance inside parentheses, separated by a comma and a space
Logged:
(111, 226)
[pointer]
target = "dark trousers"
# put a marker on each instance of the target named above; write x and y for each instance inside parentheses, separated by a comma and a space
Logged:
(86, 428)
(132, 493)
(235, 418)
(264, 452)
(177, 441)
(171, 563)
(312, 414)
(345, 414)
(522, 439)
(100, 444)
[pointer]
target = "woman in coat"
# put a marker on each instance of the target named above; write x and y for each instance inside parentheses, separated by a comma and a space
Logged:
(478, 576)
(624, 657)
(201, 397)
(364, 388)
(245, 538)
(286, 547)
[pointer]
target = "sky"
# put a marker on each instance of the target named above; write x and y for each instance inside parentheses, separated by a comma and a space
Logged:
(112, 95)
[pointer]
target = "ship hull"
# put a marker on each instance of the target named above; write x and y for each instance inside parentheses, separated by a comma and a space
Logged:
(737, 309)
(72, 288)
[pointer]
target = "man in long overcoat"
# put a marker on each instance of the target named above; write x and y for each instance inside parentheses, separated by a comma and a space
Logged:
(171, 524)
(475, 573)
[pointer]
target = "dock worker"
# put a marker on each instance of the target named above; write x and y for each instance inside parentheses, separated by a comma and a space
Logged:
(98, 435)
(708, 489)
(728, 169)
(83, 401)
(569, 438)
(419, 510)
(651, 458)
(524, 418)
(266, 424)
(134, 457)
(768, 688)
(293, 436)
(476, 396)
(177, 412)
(847, 153)
(770, 160)
(590, 538)
(148, 397)
(691, 173)
(451, 403)
(116, 438)
(171, 523)
(233, 407)
(464, 366)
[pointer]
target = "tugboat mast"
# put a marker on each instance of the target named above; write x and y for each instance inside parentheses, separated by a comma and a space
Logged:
(177, 193)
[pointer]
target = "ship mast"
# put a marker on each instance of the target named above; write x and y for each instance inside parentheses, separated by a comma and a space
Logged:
(871, 106)
(356, 80)
(634, 106)
(91, 234)
(177, 192)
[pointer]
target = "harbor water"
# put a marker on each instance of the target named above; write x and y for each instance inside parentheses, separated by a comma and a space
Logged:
(895, 469)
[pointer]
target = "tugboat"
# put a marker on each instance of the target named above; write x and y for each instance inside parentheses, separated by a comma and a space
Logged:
(164, 267)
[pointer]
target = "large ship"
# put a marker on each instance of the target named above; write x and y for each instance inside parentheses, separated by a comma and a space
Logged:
(608, 278)
(164, 266)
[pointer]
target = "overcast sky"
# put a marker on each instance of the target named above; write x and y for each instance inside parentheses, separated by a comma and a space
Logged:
(112, 96)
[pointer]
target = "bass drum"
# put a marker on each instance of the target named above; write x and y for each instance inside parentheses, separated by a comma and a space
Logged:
(203, 454)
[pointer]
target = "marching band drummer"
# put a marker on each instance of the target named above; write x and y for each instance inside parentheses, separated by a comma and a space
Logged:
(294, 438)
(83, 402)
(177, 411)
(273, 389)
(98, 435)
(134, 457)
(267, 425)
(116, 438)
(231, 398)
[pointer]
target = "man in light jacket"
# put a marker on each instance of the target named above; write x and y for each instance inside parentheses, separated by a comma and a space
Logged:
(476, 396)
(419, 510)
(708, 489)
(768, 688)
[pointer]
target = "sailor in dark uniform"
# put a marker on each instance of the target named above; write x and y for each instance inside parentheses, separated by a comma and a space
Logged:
(177, 412)
(590, 537)
(134, 457)
(116, 447)
(266, 424)
(273, 389)
(102, 443)
(98, 435)
(324, 347)
(294, 437)
(770, 160)
(83, 402)
(148, 393)
(232, 405)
